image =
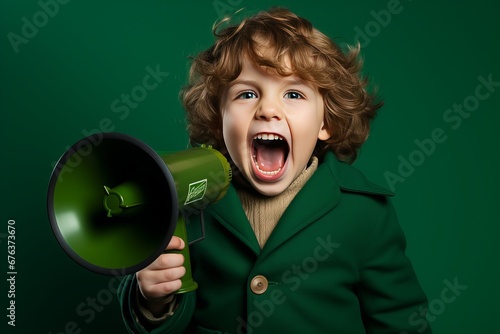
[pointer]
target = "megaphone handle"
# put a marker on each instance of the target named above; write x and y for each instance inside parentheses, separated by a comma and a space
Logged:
(188, 284)
(202, 221)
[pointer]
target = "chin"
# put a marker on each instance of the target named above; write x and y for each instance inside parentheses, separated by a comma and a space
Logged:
(270, 189)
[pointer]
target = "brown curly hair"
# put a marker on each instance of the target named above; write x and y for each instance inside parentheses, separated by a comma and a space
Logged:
(349, 107)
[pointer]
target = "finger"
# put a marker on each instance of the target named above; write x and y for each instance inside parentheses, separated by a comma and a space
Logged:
(173, 274)
(166, 261)
(159, 291)
(161, 283)
(159, 276)
(150, 278)
(176, 243)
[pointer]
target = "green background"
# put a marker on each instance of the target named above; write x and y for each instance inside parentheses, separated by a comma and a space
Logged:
(62, 81)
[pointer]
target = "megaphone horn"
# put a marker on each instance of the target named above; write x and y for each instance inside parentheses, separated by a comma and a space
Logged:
(119, 202)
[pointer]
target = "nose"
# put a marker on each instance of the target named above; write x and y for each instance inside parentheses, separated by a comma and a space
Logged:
(269, 109)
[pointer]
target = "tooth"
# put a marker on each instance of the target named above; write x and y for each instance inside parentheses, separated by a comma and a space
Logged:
(268, 136)
(274, 172)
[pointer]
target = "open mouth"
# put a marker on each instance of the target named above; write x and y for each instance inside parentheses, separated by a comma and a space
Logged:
(270, 152)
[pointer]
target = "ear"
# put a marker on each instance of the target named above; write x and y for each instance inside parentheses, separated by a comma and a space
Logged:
(324, 133)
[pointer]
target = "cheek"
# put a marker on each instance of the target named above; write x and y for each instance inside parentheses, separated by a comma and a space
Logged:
(305, 133)
(229, 128)
(234, 136)
(235, 123)
(304, 129)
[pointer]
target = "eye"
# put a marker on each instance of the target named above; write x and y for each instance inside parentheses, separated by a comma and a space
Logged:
(247, 95)
(294, 95)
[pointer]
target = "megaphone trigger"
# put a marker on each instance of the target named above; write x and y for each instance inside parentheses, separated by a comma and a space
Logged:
(202, 227)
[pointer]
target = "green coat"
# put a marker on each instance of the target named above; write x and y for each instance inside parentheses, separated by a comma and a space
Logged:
(335, 263)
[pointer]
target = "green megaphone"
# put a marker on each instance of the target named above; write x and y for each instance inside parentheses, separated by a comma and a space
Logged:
(114, 203)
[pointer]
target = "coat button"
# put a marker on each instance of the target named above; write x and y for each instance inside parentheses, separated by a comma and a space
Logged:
(259, 284)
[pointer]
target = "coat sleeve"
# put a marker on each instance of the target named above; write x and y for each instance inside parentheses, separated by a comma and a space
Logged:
(391, 298)
(175, 324)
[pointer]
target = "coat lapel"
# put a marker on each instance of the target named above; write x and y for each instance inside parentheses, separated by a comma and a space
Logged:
(318, 196)
(229, 212)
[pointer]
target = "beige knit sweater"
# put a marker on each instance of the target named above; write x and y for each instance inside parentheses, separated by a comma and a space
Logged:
(264, 212)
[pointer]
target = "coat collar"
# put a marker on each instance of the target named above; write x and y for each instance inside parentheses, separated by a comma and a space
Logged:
(351, 179)
(319, 195)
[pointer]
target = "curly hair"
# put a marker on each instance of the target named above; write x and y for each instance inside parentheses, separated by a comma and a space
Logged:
(315, 58)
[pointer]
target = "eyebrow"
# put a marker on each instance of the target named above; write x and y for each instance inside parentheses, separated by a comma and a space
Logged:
(288, 81)
(242, 82)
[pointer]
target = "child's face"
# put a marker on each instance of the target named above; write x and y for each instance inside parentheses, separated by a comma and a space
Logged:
(270, 126)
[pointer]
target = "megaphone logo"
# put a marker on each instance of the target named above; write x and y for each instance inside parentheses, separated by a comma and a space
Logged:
(117, 210)
(196, 191)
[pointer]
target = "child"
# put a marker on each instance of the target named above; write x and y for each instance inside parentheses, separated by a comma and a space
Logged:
(302, 242)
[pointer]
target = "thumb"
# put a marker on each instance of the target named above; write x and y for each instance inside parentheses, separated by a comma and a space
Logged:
(176, 243)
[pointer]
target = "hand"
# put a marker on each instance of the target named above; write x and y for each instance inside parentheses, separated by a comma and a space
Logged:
(162, 277)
